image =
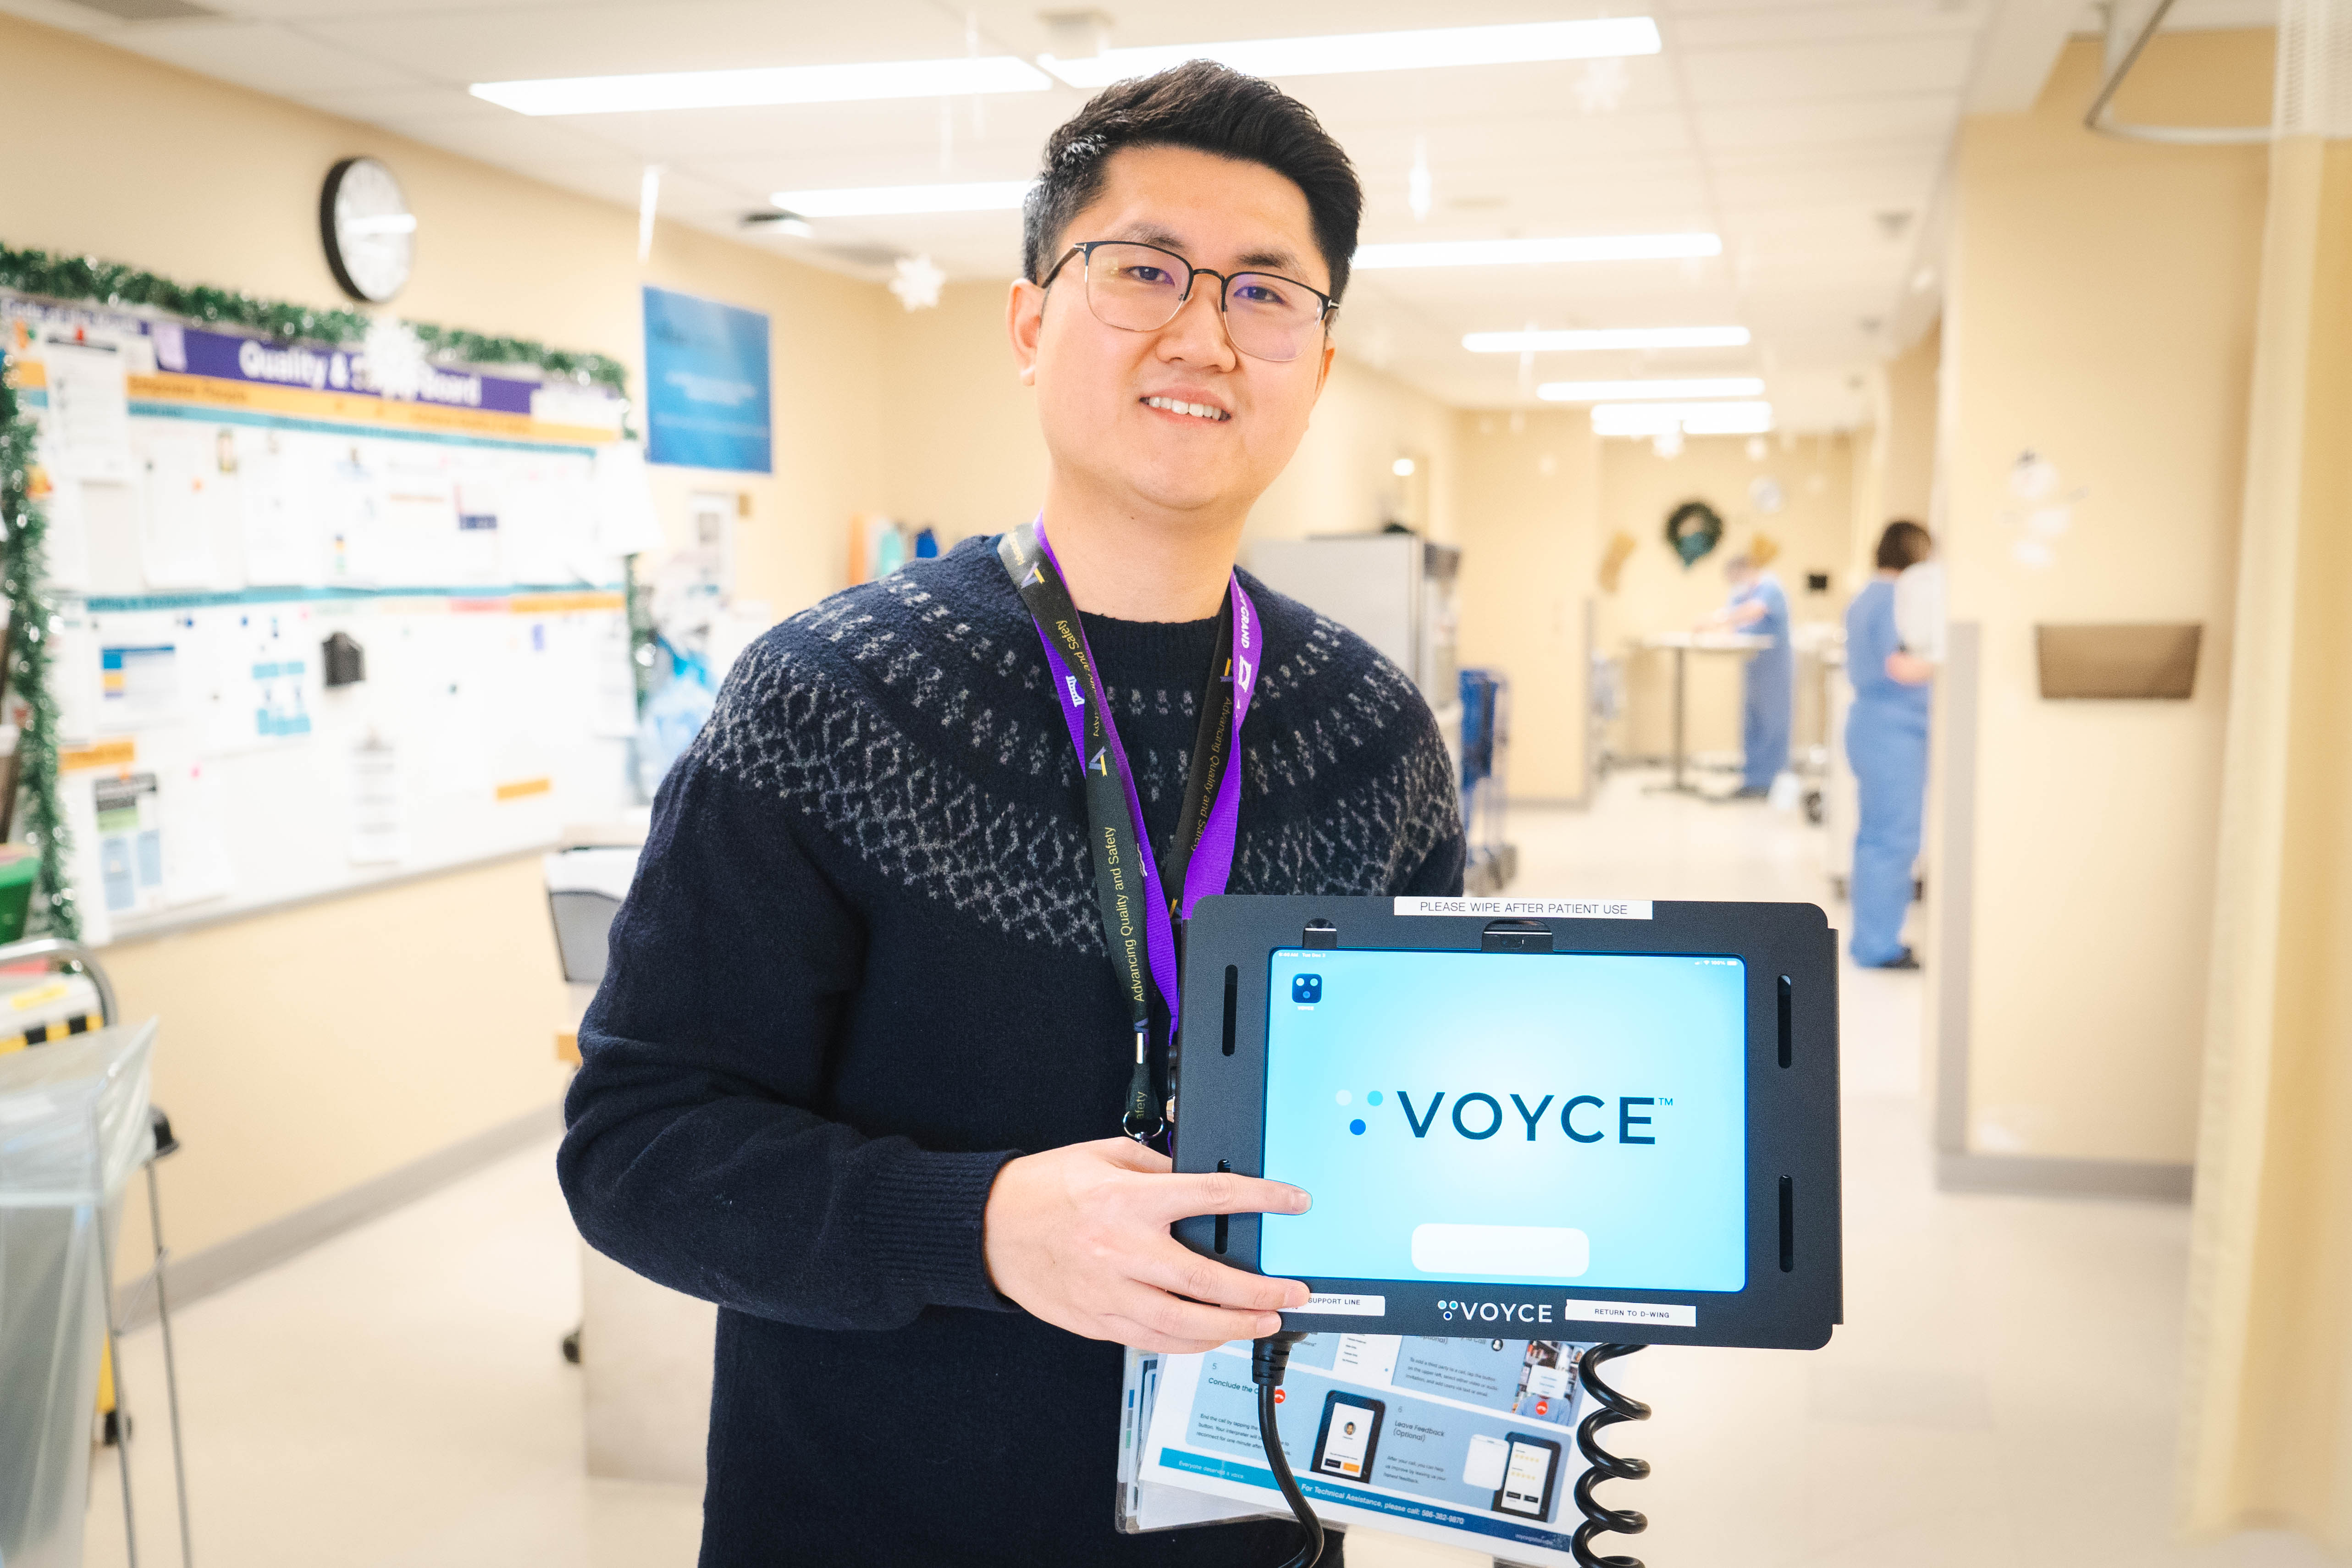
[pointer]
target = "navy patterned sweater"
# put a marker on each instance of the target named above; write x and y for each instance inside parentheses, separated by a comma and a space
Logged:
(862, 967)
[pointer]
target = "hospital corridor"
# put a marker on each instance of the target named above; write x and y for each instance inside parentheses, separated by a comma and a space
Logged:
(2006, 1391)
(971, 784)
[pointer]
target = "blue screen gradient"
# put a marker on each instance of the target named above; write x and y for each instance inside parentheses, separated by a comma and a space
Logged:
(1352, 1074)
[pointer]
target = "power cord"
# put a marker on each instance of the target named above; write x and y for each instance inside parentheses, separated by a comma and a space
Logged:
(1611, 1406)
(1269, 1358)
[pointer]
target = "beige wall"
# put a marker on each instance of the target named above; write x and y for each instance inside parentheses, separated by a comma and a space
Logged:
(1906, 455)
(2099, 313)
(305, 1051)
(211, 183)
(1656, 594)
(1341, 480)
(961, 447)
(1894, 456)
(1525, 501)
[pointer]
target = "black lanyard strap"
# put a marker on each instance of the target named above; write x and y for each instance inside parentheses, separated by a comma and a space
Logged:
(1125, 868)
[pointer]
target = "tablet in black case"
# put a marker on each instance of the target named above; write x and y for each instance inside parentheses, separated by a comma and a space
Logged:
(1568, 1121)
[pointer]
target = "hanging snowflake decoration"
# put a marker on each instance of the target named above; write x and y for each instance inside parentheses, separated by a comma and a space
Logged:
(918, 282)
(395, 358)
(1601, 87)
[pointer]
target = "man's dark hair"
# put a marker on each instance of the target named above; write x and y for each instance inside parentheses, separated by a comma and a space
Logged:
(1905, 543)
(1212, 109)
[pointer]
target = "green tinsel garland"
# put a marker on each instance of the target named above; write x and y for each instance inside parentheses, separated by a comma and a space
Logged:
(31, 620)
(87, 278)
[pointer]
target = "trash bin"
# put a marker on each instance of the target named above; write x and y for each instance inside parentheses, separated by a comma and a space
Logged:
(73, 1128)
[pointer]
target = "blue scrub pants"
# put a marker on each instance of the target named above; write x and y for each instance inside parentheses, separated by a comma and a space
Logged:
(1769, 694)
(1889, 756)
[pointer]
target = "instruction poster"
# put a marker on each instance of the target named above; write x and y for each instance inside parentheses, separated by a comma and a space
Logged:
(706, 384)
(1469, 1442)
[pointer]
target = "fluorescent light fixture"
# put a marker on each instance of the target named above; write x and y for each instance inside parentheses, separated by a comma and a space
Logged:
(1607, 391)
(1682, 418)
(1336, 54)
(1401, 467)
(1534, 252)
(1594, 338)
(766, 85)
(890, 201)
(788, 223)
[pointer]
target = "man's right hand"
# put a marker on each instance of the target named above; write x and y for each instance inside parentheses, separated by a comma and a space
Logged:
(1079, 1237)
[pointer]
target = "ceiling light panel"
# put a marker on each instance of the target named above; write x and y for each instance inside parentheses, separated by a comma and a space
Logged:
(1595, 338)
(887, 201)
(1606, 391)
(1537, 252)
(1688, 418)
(1341, 53)
(768, 84)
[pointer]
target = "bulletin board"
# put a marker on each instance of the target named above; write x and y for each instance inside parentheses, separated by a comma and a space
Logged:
(238, 526)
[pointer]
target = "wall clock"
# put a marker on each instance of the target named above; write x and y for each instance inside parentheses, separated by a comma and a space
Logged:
(367, 228)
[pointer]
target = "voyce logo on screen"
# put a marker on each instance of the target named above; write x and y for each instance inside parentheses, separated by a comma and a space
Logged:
(1584, 1118)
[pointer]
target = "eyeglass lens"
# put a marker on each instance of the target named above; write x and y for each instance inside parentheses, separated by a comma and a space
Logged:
(1140, 288)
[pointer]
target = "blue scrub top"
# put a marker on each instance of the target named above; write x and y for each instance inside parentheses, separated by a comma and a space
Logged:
(1870, 637)
(1766, 591)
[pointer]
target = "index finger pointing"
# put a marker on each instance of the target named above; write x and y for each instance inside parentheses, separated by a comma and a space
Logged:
(1223, 1192)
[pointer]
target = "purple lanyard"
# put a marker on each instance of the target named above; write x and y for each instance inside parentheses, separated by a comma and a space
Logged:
(1121, 847)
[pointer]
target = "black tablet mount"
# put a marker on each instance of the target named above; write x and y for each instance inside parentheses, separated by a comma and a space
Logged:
(1794, 1291)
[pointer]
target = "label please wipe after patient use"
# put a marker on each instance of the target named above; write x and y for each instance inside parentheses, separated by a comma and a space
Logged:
(1531, 909)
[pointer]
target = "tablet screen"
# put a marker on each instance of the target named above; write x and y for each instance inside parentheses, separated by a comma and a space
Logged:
(1573, 1118)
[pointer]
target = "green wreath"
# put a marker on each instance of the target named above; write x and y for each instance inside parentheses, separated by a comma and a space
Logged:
(1693, 531)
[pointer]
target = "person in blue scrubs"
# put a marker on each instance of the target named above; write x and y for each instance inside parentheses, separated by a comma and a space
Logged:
(1886, 744)
(1760, 607)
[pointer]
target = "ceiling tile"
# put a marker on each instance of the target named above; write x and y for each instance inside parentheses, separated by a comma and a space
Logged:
(398, 108)
(259, 55)
(63, 16)
(1825, 23)
(1855, 121)
(1789, 127)
(1793, 73)
(610, 38)
(557, 12)
(510, 141)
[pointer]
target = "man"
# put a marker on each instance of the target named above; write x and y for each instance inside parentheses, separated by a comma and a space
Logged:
(1768, 681)
(859, 1067)
(1887, 745)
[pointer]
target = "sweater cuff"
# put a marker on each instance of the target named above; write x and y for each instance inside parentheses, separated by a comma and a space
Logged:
(927, 1210)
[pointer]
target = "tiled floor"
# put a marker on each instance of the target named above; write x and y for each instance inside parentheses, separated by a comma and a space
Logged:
(2003, 1392)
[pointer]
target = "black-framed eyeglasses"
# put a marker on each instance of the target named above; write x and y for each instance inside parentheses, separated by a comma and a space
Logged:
(1140, 288)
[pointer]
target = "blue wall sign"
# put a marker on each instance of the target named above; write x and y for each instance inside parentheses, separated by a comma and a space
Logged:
(706, 384)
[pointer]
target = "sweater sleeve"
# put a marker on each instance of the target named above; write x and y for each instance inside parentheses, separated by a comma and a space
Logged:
(1438, 873)
(691, 1152)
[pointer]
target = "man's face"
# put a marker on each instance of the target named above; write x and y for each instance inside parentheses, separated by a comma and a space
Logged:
(1096, 385)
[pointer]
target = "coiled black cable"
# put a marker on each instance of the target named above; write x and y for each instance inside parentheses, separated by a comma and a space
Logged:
(1269, 1358)
(1603, 1466)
